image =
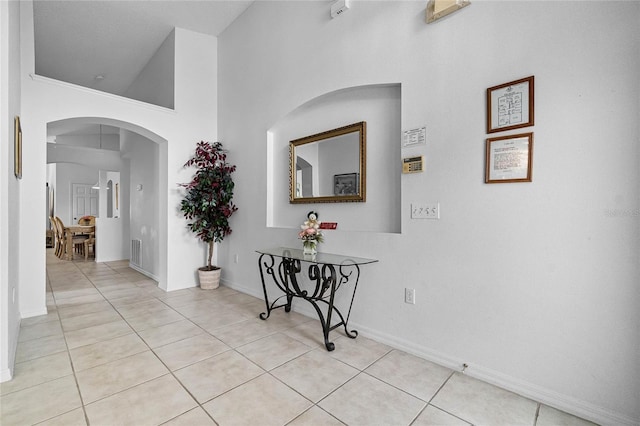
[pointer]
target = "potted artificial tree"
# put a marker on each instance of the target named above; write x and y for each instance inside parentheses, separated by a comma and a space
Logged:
(207, 202)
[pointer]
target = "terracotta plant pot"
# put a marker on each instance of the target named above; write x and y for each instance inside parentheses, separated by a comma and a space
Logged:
(209, 278)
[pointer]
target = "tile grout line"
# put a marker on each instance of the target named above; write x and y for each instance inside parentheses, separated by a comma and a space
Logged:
(152, 350)
(453, 372)
(133, 330)
(165, 365)
(535, 419)
(154, 354)
(73, 370)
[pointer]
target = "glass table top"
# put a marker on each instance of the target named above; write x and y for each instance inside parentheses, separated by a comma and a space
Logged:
(320, 258)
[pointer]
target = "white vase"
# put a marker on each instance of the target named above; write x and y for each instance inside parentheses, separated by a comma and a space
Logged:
(309, 247)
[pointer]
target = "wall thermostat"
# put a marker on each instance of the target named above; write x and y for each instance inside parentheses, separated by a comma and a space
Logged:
(413, 164)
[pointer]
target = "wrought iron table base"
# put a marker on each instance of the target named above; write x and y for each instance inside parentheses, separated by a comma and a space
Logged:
(326, 280)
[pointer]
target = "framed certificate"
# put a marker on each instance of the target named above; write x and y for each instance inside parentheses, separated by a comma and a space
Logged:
(510, 105)
(509, 159)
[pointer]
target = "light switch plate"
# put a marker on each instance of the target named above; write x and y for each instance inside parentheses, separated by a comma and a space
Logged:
(425, 211)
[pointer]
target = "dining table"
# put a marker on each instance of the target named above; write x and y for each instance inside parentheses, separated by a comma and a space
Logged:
(70, 231)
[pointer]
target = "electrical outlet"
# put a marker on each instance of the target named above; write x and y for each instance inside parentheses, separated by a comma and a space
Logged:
(425, 211)
(410, 296)
(235, 258)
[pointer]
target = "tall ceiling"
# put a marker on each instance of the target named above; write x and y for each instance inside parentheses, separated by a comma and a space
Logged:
(77, 41)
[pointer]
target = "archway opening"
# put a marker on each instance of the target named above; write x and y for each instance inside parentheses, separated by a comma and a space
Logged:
(97, 150)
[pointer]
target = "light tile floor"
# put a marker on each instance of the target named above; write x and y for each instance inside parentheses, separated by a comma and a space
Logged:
(116, 350)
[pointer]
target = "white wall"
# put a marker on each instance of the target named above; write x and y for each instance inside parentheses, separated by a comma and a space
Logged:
(534, 285)
(108, 141)
(155, 84)
(177, 132)
(144, 189)
(11, 190)
(90, 157)
(379, 107)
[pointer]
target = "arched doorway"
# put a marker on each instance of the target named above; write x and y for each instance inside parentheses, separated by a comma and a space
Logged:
(133, 155)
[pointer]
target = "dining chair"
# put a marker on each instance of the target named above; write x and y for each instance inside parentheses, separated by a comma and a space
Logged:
(77, 241)
(62, 241)
(58, 240)
(89, 242)
(87, 220)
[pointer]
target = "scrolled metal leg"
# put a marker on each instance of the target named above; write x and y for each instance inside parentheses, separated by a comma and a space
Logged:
(287, 307)
(344, 277)
(327, 278)
(269, 267)
(284, 277)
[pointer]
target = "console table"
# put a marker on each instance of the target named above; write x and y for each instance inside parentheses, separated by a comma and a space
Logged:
(327, 273)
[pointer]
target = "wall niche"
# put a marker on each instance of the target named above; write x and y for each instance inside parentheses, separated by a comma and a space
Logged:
(379, 107)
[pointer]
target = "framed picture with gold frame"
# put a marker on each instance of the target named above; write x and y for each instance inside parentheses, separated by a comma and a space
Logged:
(510, 105)
(17, 148)
(509, 158)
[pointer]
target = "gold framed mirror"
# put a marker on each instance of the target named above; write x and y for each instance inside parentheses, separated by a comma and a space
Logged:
(329, 167)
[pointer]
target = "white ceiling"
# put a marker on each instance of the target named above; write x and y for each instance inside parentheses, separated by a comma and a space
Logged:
(75, 41)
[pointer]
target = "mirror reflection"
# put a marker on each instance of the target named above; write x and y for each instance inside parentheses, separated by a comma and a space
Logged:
(329, 166)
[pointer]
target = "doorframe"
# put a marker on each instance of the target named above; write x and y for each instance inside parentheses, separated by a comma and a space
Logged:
(73, 198)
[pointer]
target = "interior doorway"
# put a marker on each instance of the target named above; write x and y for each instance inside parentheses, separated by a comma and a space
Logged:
(139, 157)
(84, 201)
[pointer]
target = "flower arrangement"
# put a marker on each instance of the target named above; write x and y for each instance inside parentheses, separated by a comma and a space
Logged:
(310, 233)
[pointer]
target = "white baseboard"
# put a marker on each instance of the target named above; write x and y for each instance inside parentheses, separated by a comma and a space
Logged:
(552, 398)
(143, 272)
(242, 289)
(537, 393)
(35, 313)
(5, 375)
